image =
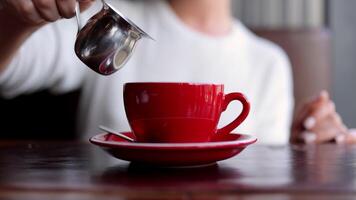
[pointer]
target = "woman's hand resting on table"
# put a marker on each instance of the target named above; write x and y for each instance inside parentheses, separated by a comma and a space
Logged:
(318, 122)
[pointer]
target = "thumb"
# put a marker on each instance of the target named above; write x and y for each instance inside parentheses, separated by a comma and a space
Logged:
(85, 4)
(322, 97)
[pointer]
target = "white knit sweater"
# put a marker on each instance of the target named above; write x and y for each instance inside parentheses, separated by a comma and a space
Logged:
(240, 60)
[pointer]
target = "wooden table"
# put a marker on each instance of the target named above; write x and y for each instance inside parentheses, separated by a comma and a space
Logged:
(73, 170)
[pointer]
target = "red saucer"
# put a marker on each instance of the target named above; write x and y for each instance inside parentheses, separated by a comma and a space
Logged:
(173, 154)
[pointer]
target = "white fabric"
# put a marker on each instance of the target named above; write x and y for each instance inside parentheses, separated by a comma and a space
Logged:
(240, 60)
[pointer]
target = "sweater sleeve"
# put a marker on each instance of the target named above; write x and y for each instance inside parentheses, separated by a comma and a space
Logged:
(276, 108)
(45, 61)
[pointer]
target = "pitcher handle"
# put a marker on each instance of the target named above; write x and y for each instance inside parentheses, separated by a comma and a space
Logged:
(77, 16)
(77, 13)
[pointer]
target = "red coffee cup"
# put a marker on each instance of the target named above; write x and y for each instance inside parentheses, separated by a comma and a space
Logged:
(179, 112)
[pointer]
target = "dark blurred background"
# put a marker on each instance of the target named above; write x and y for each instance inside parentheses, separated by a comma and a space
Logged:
(319, 36)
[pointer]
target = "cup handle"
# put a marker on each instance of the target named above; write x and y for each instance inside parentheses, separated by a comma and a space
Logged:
(243, 115)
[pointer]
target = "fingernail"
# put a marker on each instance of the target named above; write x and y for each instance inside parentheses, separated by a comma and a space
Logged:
(340, 139)
(333, 106)
(309, 137)
(309, 123)
(324, 94)
(352, 131)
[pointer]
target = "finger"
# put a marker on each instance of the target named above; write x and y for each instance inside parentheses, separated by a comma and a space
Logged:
(309, 106)
(304, 119)
(85, 4)
(47, 9)
(319, 100)
(329, 129)
(309, 122)
(327, 136)
(318, 113)
(341, 139)
(351, 137)
(324, 95)
(299, 118)
(308, 137)
(297, 125)
(26, 11)
(66, 8)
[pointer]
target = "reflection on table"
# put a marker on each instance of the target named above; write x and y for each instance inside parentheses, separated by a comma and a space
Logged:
(57, 170)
